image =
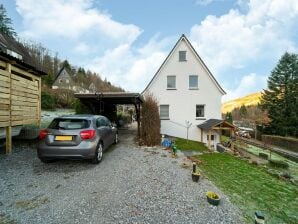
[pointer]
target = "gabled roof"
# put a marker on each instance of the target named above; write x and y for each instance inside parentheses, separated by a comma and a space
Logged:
(183, 37)
(209, 124)
(60, 72)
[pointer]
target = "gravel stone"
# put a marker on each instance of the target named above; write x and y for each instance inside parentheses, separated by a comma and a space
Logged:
(131, 185)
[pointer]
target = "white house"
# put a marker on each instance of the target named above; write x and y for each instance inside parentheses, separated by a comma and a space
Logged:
(187, 93)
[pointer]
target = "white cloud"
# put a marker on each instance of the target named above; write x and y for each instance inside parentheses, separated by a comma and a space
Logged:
(234, 40)
(71, 19)
(248, 84)
(82, 48)
(132, 68)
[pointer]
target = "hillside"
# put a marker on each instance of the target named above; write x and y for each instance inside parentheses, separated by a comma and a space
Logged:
(251, 99)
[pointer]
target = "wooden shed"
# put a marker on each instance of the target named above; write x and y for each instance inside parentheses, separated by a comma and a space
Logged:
(20, 93)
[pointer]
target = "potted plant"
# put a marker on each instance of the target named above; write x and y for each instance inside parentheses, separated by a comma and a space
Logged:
(213, 198)
(195, 174)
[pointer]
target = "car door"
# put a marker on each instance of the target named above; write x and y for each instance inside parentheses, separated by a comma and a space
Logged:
(110, 135)
(102, 131)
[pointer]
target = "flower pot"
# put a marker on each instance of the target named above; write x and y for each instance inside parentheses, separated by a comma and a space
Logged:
(213, 198)
(195, 177)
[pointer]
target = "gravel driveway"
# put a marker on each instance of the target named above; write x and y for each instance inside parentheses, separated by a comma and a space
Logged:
(130, 185)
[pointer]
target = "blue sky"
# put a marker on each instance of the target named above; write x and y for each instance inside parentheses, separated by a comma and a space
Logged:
(126, 41)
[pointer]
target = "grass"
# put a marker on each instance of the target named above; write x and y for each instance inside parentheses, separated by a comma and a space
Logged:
(293, 166)
(184, 144)
(251, 188)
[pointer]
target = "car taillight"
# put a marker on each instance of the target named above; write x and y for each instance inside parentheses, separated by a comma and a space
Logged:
(88, 134)
(43, 133)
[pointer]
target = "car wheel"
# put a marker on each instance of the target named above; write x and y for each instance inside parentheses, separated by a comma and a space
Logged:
(116, 139)
(98, 154)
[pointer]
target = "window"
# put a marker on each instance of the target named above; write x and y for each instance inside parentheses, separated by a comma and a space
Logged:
(66, 80)
(212, 137)
(60, 80)
(69, 124)
(171, 82)
(193, 82)
(164, 111)
(100, 122)
(200, 109)
(182, 55)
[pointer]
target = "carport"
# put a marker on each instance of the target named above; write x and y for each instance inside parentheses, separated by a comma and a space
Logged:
(105, 103)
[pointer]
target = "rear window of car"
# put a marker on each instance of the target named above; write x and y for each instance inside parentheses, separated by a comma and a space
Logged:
(69, 124)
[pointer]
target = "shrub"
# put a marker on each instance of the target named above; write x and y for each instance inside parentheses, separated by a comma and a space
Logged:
(47, 101)
(123, 118)
(263, 155)
(150, 122)
(80, 108)
(279, 163)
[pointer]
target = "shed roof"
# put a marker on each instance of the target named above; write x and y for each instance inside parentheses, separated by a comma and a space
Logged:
(209, 124)
(8, 43)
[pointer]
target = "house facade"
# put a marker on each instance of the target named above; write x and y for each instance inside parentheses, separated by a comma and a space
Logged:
(63, 80)
(187, 93)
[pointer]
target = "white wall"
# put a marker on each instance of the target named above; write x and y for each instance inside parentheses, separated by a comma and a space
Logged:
(182, 102)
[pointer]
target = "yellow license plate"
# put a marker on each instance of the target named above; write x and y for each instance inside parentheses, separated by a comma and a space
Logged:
(63, 138)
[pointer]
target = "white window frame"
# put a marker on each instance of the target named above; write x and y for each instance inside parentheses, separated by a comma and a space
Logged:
(193, 87)
(171, 76)
(160, 115)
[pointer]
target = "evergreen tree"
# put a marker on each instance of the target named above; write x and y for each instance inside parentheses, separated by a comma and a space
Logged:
(243, 111)
(229, 117)
(6, 23)
(281, 98)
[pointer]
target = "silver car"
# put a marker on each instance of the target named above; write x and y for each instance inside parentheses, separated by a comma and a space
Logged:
(76, 137)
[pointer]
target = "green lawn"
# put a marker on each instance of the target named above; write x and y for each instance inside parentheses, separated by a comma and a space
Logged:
(251, 188)
(183, 144)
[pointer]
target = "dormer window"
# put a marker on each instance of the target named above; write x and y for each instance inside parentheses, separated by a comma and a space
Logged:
(182, 55)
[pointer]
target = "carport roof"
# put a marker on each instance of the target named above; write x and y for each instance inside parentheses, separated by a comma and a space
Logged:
(112, 97)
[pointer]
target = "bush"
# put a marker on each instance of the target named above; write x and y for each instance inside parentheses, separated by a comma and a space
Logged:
(263, 155)
(80, 108)
(150, 122)
(123, 118)
(47, 101)
(279, 163)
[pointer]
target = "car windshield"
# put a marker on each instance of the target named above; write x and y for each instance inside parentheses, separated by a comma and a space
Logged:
(69, 124)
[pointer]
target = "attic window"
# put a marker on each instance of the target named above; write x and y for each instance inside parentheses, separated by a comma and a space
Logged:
(182, 55)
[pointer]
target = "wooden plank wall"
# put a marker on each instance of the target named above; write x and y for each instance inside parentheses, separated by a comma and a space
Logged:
(20, 96)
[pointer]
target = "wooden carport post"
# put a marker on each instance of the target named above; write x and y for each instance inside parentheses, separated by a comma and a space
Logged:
(8, 128)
